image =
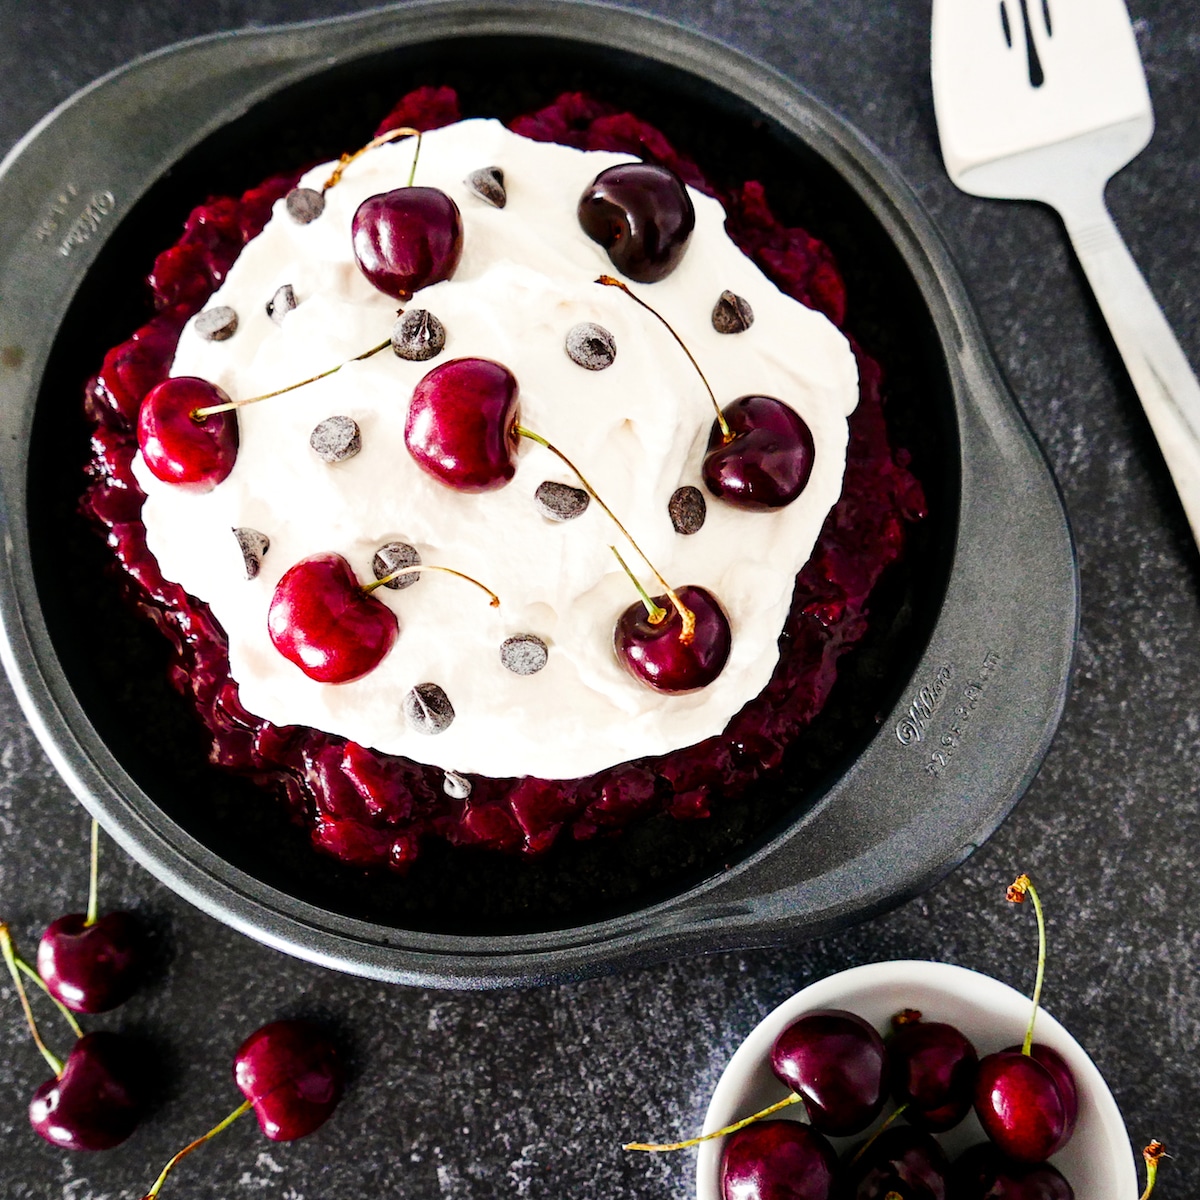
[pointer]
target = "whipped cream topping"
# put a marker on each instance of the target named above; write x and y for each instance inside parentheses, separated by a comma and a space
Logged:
(637, 429)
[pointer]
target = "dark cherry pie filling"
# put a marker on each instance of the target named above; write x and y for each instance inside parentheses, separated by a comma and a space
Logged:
(368, 808)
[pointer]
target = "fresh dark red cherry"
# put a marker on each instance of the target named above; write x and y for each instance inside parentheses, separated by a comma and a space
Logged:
(461, 425)
(290, 1072)
(933, 1068)
(91, 968)
(837, 1064)
(901, 1160)
(322, 620)
(193, 452)
(777, 1160)
(767, 462)
(1026, 1103)
(656, 654)
(983, 1173)
(96, 1102)
(642, 215)
(407, 239)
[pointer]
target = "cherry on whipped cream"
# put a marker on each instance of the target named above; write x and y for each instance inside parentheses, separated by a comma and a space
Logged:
(178, 446)
(642, 215)
(324, 621)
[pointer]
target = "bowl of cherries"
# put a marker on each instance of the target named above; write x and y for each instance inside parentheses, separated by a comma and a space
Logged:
(914, 1081)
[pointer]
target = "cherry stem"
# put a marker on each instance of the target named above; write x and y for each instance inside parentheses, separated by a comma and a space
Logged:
(609, 281)
(10, 959)
(1152, 1154)
(30, 973)
(198, 414)
(655, 613)
(685, 614)
(93, 908)
(870, 1141)
(382, 139)
(655, 1147)
(1021, 886)
(212, 1133)
(416, 569)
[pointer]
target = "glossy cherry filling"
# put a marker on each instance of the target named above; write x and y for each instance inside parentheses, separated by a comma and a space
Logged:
(368, 808)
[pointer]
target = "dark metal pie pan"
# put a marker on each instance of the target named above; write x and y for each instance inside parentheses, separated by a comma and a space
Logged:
(940, 718)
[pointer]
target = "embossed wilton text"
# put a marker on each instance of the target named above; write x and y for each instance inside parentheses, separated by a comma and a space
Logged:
(911, 727)
(98, 207)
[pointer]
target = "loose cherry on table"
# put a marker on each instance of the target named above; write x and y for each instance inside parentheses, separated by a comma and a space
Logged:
(1025, 1097)
(777, 1160)
(93, 1101)
(760, 453)
(933, 1070)
(187, 428)
(464, 429)
(642, 215)
(900, 1160)
(331, 626)
(291, 1075)
(92, 962)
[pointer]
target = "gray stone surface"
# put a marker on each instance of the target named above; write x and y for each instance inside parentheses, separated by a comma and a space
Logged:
(530, 1093)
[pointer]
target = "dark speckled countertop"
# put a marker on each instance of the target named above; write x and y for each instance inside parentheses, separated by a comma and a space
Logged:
(530, 1093)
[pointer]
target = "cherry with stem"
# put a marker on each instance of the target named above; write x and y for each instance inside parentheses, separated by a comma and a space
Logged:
(94, 1099)
(88, 962)
(188, 433)
(291, 1076)
(331, 626)
(760, 451)
(1026, 1097)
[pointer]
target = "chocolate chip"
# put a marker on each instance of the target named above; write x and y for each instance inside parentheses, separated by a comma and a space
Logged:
(591, 346)
(281, 303)
(418, 335)
(488, 184)
(305, 204)
(687, 509)
(456, 786)
(254, 546)
(560, 501)
(428, 709)
(336, 439)
(391, 558)
(524, 654)
(732, 314)
(216, 324)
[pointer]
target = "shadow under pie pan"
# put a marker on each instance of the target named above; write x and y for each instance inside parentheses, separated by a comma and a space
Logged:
(941, 714)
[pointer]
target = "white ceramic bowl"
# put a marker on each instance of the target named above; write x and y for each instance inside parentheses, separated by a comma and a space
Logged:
(1098, 1161)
